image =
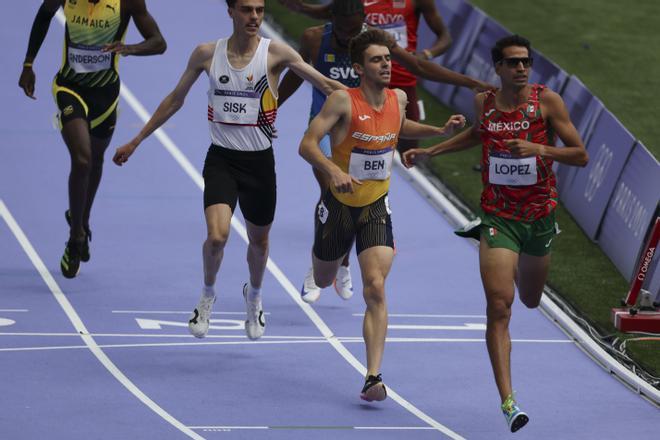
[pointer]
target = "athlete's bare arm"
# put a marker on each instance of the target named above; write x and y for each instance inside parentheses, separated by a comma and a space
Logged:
(37, 34)
(437, 25)
(415, 130)
(435, 72)
(200, 61)
(309, 45)
(153, 43)
(333, 118)
(282, 55)
(554, 112)
(462, 141)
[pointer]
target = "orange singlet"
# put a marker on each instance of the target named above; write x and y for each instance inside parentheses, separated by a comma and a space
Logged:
(367, 150)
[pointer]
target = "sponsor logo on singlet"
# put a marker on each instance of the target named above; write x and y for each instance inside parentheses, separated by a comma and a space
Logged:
(224, 79)
(373, 138)
(342, 73)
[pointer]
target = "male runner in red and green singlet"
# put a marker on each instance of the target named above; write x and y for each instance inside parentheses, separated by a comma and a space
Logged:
(517, 127)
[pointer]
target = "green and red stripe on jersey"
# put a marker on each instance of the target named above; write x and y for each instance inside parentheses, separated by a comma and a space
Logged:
(526, 203)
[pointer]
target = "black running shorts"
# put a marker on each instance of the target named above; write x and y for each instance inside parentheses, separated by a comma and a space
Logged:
(97, 105)
(337, 225)
(246, 176)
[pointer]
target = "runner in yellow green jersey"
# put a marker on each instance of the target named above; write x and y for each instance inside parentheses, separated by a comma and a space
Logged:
(86, 90)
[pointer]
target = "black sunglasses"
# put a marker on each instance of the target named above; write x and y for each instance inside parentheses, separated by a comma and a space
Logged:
(514, 61)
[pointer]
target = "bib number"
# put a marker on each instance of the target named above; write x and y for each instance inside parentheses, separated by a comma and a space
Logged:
(512, 171)
(236, 107)
(86, 59)
(371, 164)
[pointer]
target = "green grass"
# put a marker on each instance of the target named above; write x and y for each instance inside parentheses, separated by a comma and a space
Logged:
(611, 46)
(619, 70)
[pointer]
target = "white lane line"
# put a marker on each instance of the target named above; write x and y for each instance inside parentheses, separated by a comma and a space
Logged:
(164, 344)
(466, 326)
(13, 310)
(147, 335)
(80, 327)
(175, 312)
(312, 427)
(192, 172)
(415, 315)
(350, 340)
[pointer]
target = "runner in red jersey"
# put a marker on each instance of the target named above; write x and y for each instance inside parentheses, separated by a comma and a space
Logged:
(517, 129)
(538, 197)
(400, 18)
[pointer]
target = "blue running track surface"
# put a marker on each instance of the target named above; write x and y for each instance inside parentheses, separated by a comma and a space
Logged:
(107, 355)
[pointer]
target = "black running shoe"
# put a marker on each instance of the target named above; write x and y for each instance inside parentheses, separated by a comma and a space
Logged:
(374, 389)
(84, 252)
(70, 262)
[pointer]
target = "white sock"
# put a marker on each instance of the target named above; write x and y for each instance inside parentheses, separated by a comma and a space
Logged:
(208, 291)
(253, 293)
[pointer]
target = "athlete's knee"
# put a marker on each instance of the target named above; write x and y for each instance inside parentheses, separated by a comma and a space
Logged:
(259, 244)
(498, 309)
(216, 241)
(374, 289)
(531, 299)
(323, 280)
(81, 162)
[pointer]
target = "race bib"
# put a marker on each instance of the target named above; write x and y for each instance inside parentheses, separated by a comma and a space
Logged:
(86, 59)
(236, 107)
(371, 164)
(512, 171)
(399, 31)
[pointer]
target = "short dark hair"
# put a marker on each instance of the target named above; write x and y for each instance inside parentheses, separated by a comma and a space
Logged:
(231, 3)
(362, 41)
(346, 8)
(512, 40)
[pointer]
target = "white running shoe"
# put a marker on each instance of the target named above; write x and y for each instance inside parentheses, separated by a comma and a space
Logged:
(310, 292)
(343, 283)
(199, 320)
(255, 324)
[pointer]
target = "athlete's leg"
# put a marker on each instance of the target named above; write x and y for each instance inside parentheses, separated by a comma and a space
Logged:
(498, 270)
(218, 221)
(531, 277)
(375, 263)
(257, 253)
(218, 218)
(325, 271)
(96, 171)
(75, 133)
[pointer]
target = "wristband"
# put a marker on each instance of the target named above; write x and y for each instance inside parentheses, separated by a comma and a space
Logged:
(27, 64)
(427, 54)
